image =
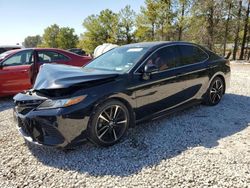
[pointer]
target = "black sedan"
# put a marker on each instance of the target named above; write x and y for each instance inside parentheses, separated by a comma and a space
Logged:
(122, 87)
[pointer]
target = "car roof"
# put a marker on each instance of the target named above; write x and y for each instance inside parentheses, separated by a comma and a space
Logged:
(156, 44)
(38, 49)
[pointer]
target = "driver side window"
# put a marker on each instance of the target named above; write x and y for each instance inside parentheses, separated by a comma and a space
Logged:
(21, 58)
(165, 58)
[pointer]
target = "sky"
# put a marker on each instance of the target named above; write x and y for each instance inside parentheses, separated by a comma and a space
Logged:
(22, 18)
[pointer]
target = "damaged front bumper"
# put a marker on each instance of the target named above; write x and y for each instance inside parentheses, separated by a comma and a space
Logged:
(59, 127)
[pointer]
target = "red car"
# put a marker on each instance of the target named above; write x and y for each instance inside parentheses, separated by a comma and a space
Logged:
(18, 68)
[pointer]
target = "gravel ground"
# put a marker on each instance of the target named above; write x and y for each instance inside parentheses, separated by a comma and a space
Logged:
(199, 147)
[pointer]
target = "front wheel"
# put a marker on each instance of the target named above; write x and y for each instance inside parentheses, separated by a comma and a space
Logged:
(215, 92)
(109, 123)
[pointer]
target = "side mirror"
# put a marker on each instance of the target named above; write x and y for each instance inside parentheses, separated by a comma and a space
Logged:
(150, 68)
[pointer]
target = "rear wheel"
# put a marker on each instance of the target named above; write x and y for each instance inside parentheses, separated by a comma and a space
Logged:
(109, 123)
(215, 92)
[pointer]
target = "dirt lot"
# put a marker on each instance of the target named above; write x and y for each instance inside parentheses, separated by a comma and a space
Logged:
(199, 147)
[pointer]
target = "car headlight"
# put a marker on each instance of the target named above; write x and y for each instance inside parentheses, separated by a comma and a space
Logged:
(48, 104)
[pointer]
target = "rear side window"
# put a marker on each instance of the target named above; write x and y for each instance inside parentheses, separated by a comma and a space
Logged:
(165, 58)
(50, 56)
(191, 54)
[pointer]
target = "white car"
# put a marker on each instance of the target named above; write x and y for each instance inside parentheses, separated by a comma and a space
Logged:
(4, 48)
(99, 50)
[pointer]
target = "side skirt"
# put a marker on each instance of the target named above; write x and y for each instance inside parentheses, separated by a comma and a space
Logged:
(167, 112)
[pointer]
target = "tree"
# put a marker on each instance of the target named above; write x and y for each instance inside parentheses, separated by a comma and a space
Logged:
(32, 41)
(149, 14)
(50, 35)
(183, 7)
(66, 38)
(236, 39)
(126, 25)
(56, 37)
(245, 31)
(229, 5)
(164, 19)
(143, 30)
(207, 14)
(155, 20)
(102, 28)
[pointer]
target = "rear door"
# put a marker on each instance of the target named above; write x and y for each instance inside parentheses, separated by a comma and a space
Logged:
(15, 72)
(192, 70)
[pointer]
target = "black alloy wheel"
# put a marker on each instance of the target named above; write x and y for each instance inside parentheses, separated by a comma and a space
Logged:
(215, 92)
(109, 123)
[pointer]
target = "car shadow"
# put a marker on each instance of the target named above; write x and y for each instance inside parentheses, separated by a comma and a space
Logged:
(6, 103)
(149, 143)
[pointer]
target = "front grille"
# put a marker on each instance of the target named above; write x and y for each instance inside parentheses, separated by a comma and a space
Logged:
(40, 132)
(26, 127)
(25, 107)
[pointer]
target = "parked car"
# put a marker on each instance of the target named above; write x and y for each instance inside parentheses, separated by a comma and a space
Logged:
(18, 68)
(4, 48)
(124, 86)
(77, 51)
(101, 49)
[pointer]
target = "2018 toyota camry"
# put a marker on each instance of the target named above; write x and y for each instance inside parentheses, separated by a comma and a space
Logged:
(122, 87)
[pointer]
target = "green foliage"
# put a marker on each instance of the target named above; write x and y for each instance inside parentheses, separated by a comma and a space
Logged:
(56, 37)
(102, 28)
(126, 25)
(50, 35)
(212, 23)
(32, 41)
(66, 38)
(155, 21)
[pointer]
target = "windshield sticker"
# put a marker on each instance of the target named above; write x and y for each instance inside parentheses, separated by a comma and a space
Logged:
(134, 49)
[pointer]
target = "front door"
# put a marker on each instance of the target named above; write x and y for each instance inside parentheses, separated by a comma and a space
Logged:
(162, 89)
(15, 73)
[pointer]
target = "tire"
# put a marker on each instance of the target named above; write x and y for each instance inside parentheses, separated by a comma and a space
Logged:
(109, 123)
(215, 92)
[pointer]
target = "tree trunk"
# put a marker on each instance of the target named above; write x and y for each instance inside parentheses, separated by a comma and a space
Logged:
(128, 38)
(162, 31)
(153, 31)
(226, 30)
(236, 39)
(247, 51)
(245, 33)
(182, 17)
(210, 27)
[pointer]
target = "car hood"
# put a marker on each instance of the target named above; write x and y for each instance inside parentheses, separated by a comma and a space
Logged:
(54, 76)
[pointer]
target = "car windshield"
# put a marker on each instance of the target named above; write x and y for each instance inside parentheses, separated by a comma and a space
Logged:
(119, 59)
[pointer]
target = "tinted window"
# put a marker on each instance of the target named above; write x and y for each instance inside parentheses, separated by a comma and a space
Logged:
(50, 56)
(191, 54)
(21, 58)
(165, 58)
